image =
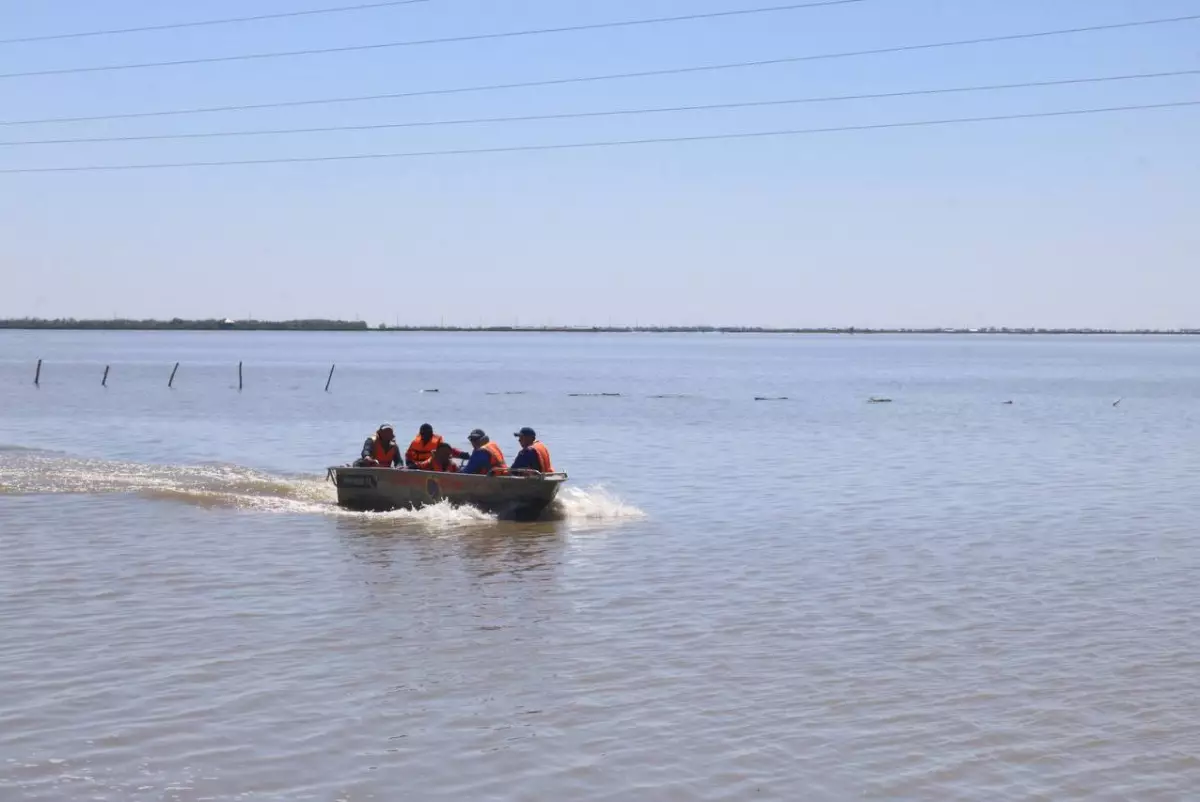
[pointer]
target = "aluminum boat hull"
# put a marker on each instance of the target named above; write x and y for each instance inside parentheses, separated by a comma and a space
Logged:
(521, 498)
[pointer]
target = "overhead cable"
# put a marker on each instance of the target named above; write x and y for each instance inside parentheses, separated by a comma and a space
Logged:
(312, 12)
(605, 77)
(478, 37)
(612, 143)
(578, 115)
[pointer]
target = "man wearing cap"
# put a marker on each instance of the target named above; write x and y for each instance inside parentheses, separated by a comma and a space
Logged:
(486, 458)
(380, 449)
(424, 445)
(534, 455)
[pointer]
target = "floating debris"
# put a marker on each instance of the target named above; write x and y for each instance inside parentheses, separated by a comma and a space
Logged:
(594, 395)
(874, 400)
(430, 391)
(1118, 401)
(774, 398)
(1008, 403)
(669, 395)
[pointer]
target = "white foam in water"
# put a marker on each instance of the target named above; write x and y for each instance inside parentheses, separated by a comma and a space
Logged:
(26, 472)
(442, 515)
(594, 504)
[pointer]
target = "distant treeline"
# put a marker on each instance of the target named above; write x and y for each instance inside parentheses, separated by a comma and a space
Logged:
(316, 324)
(177, 324)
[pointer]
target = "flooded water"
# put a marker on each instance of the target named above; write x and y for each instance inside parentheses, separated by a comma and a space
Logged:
(818, 598)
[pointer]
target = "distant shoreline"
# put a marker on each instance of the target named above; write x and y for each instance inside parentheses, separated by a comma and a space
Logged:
(176, 324)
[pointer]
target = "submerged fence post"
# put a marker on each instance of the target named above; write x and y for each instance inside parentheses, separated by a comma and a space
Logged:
(171, 380)
(37, 376)
(239, 377)
(104, 381)
(330, 379)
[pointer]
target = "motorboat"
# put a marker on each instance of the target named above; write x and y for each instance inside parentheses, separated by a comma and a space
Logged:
(521, 496)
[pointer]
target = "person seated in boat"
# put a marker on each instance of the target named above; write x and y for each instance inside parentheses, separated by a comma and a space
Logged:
(534, 455)
(442, 460)
(486, 458)
(423, 446)
(380, 449)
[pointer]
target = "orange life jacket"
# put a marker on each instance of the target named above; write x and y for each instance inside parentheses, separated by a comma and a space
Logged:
(543, 456)
(384, 456)
(431, 465)
(499, 466)
(420, 451)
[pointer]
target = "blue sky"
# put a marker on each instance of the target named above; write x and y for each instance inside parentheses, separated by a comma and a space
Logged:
(1068, 221)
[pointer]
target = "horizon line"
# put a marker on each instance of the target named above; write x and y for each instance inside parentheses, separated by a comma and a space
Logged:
(334, 324)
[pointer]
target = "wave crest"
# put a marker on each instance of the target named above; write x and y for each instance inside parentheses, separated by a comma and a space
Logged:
(592, 504)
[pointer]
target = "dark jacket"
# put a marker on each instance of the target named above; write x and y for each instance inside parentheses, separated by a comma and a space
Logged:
(528, 459)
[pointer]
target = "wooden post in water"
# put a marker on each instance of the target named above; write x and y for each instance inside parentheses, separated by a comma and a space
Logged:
(239, 377)
(37, 376)
(171, 380)
(104, 381)
(330, 379)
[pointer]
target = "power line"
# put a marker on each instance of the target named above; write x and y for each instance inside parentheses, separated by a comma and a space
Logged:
(607, 77)
(606, 113)
(600, 144)
(204, 23)
(436, 41)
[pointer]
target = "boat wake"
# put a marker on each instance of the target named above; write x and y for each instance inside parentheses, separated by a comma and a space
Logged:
(594, 504)
(26, 472)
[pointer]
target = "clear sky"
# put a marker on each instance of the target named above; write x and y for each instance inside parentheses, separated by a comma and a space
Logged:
(1089, 220)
